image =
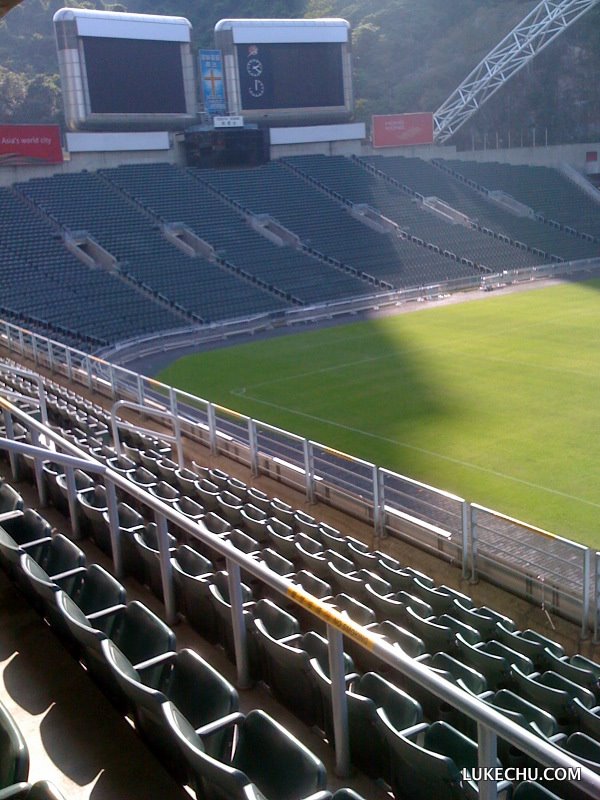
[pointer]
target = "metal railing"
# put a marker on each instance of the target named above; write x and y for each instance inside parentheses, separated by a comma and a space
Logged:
(448, 526)
(491, 724)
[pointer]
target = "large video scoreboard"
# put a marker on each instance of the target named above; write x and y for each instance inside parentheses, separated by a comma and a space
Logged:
(125, 71)
(287, 71)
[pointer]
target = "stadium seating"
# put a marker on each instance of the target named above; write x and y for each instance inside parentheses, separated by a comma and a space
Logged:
(427, 179)
(14, 753)
(349, 179)
(86, 202)
(266, 756)
(43, 280)
(176, 196)
(543, 189)
(325, 225)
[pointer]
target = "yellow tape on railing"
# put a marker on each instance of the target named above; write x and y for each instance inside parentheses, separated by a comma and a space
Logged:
(332, 617)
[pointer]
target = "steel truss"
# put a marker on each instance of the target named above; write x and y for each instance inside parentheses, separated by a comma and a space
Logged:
(535, 32)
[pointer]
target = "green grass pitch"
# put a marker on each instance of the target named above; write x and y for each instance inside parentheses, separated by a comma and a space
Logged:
(497, 401)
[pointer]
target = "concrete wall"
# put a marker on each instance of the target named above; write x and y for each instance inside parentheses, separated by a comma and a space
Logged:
(77, 162)
(553, 156)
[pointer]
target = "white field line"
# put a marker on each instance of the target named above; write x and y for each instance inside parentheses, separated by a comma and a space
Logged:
(460, 462)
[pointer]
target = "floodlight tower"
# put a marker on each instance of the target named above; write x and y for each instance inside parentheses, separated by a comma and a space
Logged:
(535, 32)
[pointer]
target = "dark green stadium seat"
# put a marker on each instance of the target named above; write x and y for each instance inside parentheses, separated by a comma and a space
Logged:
(14, 753)
(496, 648)
(200, 693)
(556, 681)
(436, 637)
(218, 592)
(555, 701)
(58, 559)
(533, 714)
(142, 637)
(254, 522)
(188, 564)
(587, 720)
(229, 506)
(267, 762)
(41, 790)
(130, 522)
(282, 538)
(483, 624)
(434, 768)
(562, 666)
(530, 790)
(208, 493)
(23, 529)
(146, 542)
(93, 505)
(10, 499)
(270, 622)
(370, 698)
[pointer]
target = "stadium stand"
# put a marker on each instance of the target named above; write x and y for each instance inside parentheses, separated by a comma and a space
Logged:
(86, 202)
(42, 281)
(548, 192)
(522, 673)
(347, 178)
(325, 224)
(176, 196)
(428, 179)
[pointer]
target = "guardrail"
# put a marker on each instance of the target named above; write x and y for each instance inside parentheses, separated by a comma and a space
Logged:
(490, 723)
(450, 527)
(133, 349)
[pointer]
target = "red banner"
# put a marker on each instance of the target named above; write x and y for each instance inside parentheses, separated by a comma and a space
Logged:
(30, 144)
(400, 130)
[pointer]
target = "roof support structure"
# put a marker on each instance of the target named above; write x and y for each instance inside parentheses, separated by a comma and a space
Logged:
(535, 32)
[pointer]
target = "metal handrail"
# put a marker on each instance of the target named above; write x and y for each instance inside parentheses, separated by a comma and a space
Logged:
(490, 722)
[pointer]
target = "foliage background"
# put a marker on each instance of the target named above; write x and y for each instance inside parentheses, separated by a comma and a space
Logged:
(408, 55)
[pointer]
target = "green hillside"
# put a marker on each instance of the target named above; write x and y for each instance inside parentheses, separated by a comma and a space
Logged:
(408, 56)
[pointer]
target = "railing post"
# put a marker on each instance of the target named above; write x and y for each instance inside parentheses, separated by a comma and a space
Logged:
(378, 505)
(69, 362)
(467, 516)
(585, 605)
(21, 342)
(10, 434)
(177, 426)
(212, 427)
(140, 390)
(34, 349)
(50, 356)
(597, 600)
(111, 374)
(166, 569)
(253, 443)
(114, 425)
(90, 381)
(474, 546)
(240, 639)
(338, 701)
(115, 528)
(39, 472)
(487, 758)
(72, 500)
(309, 471)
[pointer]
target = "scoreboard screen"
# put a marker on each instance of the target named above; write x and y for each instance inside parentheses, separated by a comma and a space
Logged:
(290, 75)
(287, 72)
(134, 76)
(125, 72)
